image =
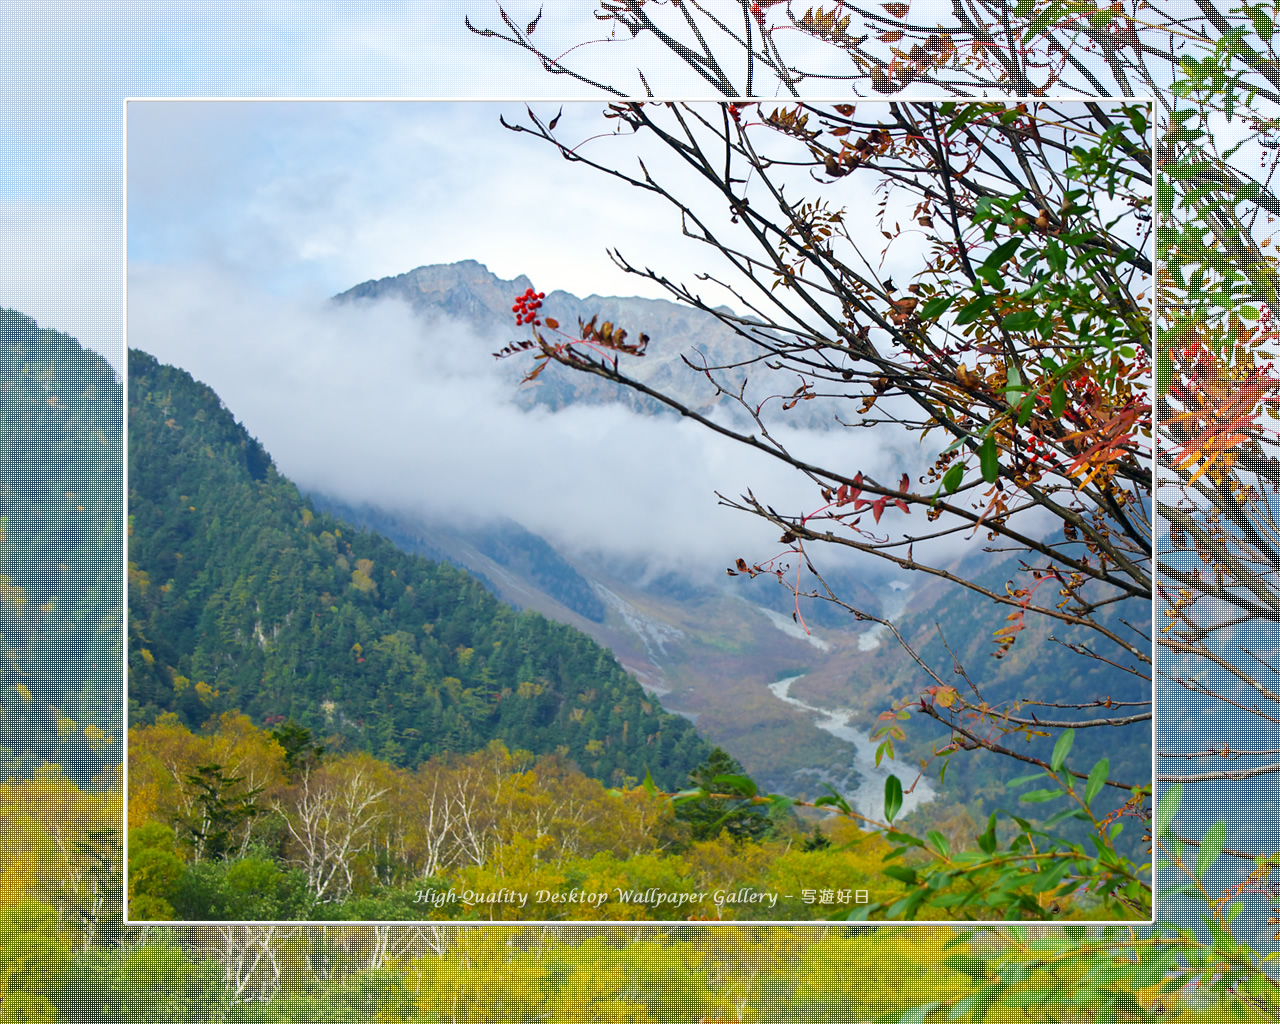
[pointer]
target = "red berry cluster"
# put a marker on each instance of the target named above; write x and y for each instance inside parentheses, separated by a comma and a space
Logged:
(526, 307)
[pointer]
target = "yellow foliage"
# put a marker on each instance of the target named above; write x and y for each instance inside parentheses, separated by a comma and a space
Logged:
(12, 595)
(97, 739)
(459, 986)
(139, 578)
(597, 993)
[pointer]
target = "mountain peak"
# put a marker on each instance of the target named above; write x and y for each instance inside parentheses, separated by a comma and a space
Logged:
(466, 289)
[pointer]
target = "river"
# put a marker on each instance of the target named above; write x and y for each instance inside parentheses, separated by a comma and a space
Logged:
(868, 777)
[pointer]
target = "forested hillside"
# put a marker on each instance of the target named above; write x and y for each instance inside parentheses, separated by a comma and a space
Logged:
(60, 516)
(242, 597)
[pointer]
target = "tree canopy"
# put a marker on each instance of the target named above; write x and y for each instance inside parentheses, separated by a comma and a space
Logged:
(1212, 70)
(1017, 351)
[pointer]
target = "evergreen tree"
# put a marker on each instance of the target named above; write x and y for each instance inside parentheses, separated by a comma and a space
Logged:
(724, 805)
(219, 811)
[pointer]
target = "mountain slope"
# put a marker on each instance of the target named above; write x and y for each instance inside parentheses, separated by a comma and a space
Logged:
(242, 596)
(60, 545)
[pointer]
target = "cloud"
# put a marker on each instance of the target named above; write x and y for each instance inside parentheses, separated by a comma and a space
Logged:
(63, 287)
(368, 403)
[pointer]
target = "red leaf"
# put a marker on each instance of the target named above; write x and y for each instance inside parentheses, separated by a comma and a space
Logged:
(553, 324)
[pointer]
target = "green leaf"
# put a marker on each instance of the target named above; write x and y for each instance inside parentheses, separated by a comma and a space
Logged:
(936, 306)
(1039, 796)
(1262, 23)
(917, 1014)
(648, 784)
(953, 478)
(892, 797)
(1002, 253)
(1167, 808)
(1097, 779)
(987, 841)
(975, 309)
(1061, 749)
(902, 873)
(991, 275)
(1026, 409)
(988, 460)
(781, 802)
(1021, 320)
(736, 783)
(1182, 172)
(1055, 255)
(1058, 399)
(973, 966)
(1210, 848)
(833, 799)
